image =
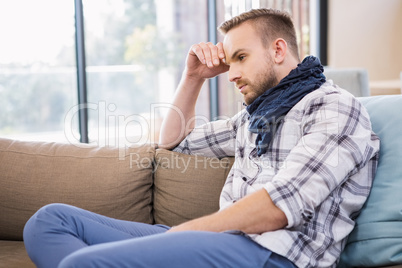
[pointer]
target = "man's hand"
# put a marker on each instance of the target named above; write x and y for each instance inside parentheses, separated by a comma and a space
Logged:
(205, 60)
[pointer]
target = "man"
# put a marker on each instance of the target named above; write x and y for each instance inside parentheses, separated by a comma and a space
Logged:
(305, 157)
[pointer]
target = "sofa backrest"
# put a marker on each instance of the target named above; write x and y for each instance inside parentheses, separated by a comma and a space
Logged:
(105, 180)
(187, 186)
(377, 238)
(354, 80)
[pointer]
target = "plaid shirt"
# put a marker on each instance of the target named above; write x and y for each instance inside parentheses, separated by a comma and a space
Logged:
(318, 170)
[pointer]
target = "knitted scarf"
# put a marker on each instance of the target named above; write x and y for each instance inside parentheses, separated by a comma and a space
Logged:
(267, 111)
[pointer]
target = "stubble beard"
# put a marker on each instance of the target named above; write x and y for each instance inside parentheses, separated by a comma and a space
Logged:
(264, 82)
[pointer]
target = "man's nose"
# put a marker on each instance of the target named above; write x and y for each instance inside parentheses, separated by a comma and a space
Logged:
(234, 74)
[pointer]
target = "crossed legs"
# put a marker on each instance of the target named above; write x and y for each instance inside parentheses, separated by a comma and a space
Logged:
(64, 236)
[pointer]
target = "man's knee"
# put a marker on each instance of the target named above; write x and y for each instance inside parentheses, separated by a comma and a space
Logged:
(41, 222)
(44, 216)
(54, 209)
(51, 210)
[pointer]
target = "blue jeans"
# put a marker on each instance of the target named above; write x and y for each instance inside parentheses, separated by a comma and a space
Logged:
(60, 235)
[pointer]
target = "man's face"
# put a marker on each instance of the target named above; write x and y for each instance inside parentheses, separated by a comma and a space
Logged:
(251, 66)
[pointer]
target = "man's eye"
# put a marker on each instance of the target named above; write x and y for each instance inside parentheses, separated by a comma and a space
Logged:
(241, 57)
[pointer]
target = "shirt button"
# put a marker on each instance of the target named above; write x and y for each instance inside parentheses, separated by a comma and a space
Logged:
(244, 179)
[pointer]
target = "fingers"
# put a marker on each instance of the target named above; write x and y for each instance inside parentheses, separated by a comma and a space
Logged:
(221, 52)
(209, 54)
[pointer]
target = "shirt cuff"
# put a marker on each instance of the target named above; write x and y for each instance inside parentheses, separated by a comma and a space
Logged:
(287, 199)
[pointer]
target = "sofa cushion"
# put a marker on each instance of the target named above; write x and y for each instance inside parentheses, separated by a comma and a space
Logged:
(14, 255)
(187, 187)
(377, 238)
(109, 181)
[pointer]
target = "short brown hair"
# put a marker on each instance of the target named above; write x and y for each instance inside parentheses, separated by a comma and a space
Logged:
(270, 23)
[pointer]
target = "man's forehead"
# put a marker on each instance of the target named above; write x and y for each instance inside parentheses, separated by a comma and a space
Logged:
(227, 48)
(238, 39)
(226, 44)
(231, 42)
(239, 36)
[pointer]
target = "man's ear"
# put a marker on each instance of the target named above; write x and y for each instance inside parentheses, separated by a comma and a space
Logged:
(280, 48)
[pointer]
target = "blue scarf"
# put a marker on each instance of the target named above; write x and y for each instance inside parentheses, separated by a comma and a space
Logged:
(267, 111)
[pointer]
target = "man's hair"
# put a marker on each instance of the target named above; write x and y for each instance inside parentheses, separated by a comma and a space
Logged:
(269, 23)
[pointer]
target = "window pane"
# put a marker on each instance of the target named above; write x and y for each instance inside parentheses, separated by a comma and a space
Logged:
(135, 56)
(37, 73)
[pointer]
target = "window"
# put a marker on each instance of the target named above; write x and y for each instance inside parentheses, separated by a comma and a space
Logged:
(134, 53)
(37, 68)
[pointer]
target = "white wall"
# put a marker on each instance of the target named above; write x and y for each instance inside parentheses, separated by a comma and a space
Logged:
(366, 34)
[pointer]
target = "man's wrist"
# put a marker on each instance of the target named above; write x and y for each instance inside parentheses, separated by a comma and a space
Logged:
(192, 78)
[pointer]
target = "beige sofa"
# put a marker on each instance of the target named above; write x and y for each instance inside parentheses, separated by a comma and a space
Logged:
(138, 184)
(158, 186)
